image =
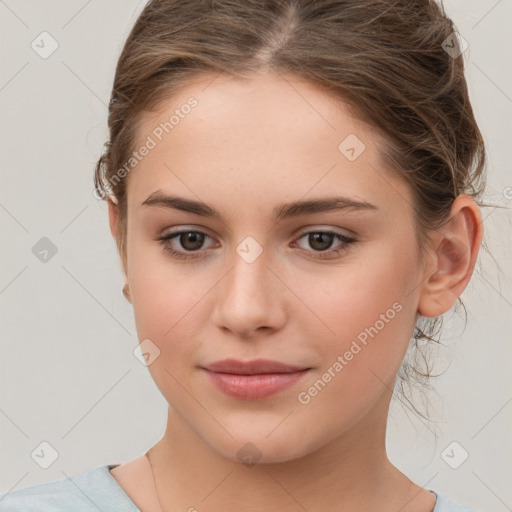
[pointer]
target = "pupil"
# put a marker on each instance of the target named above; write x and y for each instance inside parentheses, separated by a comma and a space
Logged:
(320, 241)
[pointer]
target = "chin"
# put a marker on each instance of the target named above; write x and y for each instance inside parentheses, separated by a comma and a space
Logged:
(257, 447)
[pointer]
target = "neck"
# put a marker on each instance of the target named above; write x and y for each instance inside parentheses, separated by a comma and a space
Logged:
(350, 473)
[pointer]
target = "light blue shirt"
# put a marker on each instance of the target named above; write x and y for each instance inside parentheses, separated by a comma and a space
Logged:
(97, 490)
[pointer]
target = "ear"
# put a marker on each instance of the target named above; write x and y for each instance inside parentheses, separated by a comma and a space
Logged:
(455, 249)
(113, 215)
(113, 219)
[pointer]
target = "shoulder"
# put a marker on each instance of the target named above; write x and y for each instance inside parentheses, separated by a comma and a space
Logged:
(90, 491)
(445, 504)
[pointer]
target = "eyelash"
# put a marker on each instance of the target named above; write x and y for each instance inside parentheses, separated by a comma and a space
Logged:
(194, 255)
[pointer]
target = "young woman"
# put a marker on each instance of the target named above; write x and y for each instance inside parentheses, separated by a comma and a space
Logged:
(293, 188)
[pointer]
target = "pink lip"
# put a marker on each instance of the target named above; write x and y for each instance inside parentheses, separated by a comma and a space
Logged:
(253, 380)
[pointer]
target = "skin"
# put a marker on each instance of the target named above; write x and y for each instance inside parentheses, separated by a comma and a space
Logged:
(248, 146)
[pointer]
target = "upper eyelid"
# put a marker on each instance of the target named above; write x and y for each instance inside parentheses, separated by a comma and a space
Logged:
(335, 231)
(300, 233)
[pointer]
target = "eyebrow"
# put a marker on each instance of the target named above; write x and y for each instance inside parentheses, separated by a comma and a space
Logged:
(280, 212)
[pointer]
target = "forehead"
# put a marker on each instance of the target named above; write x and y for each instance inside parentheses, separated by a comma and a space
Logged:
(271, 136)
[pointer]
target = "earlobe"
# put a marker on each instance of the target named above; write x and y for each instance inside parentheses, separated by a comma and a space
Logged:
(126, 292)
(455, 249)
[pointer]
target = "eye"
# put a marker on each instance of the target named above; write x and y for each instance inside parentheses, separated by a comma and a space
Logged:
(190, 240)
(320, 241)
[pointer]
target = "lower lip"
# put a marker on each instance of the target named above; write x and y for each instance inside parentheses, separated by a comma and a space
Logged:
(254, 387)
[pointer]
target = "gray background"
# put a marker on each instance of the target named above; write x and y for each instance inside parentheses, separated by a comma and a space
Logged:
(68, 374)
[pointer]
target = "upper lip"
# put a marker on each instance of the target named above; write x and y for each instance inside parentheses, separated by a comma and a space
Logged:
(254, 367)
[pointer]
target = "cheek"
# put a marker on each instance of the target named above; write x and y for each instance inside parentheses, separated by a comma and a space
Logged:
(163, 306)
(164, 292)
(372, 318)
(370, 312)
(167, 307)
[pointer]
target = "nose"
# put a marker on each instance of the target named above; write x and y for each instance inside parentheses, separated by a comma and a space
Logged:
(250, 299)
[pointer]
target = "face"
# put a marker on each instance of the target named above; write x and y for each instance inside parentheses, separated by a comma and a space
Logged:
(328, 288)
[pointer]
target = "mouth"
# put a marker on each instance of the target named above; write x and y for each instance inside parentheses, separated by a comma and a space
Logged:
(253, 380)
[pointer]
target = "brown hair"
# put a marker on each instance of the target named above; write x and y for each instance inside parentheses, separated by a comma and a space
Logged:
(388, 59)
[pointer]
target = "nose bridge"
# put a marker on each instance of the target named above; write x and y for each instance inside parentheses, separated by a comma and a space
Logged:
(248, 283)
(248, 297)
